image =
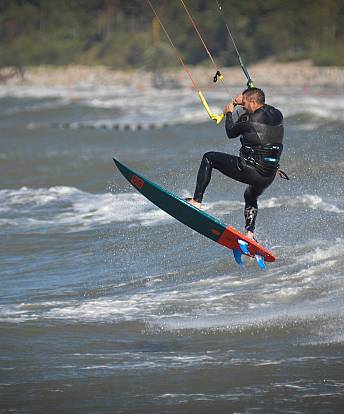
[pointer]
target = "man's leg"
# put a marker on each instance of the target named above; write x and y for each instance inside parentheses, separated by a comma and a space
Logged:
(251, 194)
(225, 163)
(203, 179)
(228, 165)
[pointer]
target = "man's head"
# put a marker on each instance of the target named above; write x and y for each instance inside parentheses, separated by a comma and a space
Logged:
(253, 99)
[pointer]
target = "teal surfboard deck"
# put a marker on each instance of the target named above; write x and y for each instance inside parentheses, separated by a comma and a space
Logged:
(193, 217)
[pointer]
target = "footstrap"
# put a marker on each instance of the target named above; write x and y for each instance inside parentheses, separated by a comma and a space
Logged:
(283, 175)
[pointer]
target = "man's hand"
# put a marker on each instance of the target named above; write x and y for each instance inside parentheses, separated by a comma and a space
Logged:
(229, 107)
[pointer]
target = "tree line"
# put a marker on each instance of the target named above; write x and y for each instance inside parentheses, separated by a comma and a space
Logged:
(124, 33)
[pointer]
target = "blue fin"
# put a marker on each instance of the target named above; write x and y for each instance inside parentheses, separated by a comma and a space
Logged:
(243, 246)
(237, 256)
(260, 260)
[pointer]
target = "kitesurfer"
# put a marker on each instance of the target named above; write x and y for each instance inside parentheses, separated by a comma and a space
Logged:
(260, 129)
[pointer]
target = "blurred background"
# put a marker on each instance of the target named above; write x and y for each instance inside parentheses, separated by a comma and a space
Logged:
(123, 34)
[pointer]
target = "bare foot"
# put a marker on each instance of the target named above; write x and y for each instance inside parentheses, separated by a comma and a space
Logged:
(193, 202)
(250, 235)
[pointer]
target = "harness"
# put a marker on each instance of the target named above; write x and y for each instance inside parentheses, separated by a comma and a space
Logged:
(265, 158)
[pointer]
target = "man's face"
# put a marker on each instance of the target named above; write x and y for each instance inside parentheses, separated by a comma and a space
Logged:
(250, 105)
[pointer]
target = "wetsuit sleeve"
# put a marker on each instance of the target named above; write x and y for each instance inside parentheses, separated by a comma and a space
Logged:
(234, 129)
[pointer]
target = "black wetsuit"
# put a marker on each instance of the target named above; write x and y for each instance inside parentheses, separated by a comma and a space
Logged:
(261, 139)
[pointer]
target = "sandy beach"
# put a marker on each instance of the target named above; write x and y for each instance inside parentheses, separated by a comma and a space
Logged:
(267, 73)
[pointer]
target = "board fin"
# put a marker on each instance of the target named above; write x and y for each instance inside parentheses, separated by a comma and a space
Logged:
(260, 260)
(238, 257)
(243, 246)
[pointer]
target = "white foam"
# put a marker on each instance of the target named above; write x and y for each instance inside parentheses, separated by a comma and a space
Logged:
(314, 202)
(135, 360)
(36, 107)
(263, 318)
(333, 251)
(172, 106)
(75, 209)
(229, 302)
(14, 313)
(39, 92)
(309, 201)
(35, 196)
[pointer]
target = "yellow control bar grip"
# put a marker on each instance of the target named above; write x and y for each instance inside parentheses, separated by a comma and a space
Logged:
(214, 117)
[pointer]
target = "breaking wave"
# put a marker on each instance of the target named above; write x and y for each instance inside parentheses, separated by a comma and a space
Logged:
(74, 210)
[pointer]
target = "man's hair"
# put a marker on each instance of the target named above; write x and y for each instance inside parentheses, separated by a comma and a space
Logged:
(255, 94)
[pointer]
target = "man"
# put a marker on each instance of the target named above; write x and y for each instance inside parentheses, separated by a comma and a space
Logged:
(261, 135)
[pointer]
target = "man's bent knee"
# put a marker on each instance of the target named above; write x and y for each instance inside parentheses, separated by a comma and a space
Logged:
(208, 157)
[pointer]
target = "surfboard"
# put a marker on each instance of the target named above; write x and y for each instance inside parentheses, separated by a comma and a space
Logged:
(205, 224)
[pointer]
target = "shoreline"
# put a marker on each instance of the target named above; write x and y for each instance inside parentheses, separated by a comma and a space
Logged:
(267, 73)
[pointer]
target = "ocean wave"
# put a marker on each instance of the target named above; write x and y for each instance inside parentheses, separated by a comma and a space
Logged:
(303, 290)
(34, 106)
(70, 208)
(283, 297)
(313, 202)
(75, 210)
(166, 107)
(306, 201)
(60, 91)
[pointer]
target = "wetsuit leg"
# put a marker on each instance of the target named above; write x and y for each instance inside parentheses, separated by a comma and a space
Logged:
(203, 177)
(251, 195)
(225, 163)
(232, 167)
(251, 206)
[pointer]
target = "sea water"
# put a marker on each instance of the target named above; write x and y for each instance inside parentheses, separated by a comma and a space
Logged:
(108, 305)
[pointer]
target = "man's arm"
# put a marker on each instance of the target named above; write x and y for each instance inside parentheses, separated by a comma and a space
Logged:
(234, 129)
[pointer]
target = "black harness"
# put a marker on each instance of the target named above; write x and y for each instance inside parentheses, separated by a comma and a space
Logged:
(265, 158)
